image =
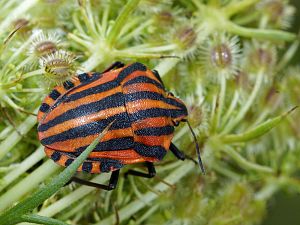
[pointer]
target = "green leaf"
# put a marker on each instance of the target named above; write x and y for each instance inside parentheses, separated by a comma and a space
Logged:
(14, 215)
(257, 131)
(42, 220)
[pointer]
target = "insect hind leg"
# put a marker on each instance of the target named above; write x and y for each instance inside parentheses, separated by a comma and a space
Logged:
(111, 185)
(151, 171)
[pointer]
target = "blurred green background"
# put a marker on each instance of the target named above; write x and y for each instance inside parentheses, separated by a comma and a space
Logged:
(284, 208)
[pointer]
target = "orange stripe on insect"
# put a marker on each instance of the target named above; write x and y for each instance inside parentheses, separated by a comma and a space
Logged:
(79, 121)
(72, 144)
(82, 101)
(137, 87)
(133, 107)
(127, 156)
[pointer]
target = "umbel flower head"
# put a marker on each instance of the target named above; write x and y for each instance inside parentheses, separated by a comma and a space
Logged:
(220, 55)
(59, 66)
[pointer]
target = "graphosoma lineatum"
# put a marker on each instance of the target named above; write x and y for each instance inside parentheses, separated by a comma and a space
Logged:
(132, 96)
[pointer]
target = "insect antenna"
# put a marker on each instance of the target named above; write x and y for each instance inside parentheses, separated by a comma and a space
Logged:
(197, 148)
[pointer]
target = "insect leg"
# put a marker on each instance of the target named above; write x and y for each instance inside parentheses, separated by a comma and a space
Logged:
(151, 171)
(179, 154)
(158, 76)
(116, 65)
(111, 185)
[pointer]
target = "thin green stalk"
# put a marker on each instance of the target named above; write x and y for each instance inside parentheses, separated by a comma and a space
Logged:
(5, 132)
(77, 208)
(264, 34)
(147, 214)
(41, 220)
(130, 209)
(232, 106)
(288, 55)
(133, 54)
(271, 187)
(238, 6)
(16, 13)
(28, 184)
(244, 163)
(256, 132)
(14, 214)
(73, 197)
(93, 61)
(120, 21)
(166, 65)
(221, 99)
(22, 167)
(247, 105)
(33, 73)
(10, 142)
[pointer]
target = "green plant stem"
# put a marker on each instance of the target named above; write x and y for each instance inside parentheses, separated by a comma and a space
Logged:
(41, 220)
(272, 186)
(236, 7)
(33, 73)
(132, 54)
(93, 61)
(16, 13)
(221, 99)
(288, 55)
(257, 131)
(73, 197)
(5, 132)
(247, 105)
(242, 162)
(136, 205)
(76, 208)
(231, 108)
(264, 34)
(147, 214)
(14, 214)
(120, 21)
(166, 65)
(22, 167)
(28, 184)
(10, 142)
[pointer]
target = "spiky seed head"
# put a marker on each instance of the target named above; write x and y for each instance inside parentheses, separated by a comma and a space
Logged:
(164, 18)
(59, 66)
(198, 110)
(259, 56)
(22, 22)
(185, 38)
(220, 54)
(279, 13)
(44, 44)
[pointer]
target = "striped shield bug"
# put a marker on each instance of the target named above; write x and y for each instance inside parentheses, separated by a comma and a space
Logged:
(132, 96)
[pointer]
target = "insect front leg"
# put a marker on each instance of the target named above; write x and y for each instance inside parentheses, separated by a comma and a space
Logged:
(151, 171)
(179, 154)
(115, 65)
(155, 72)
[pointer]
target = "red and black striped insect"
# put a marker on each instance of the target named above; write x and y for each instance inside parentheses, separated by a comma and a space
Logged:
(132, 96)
